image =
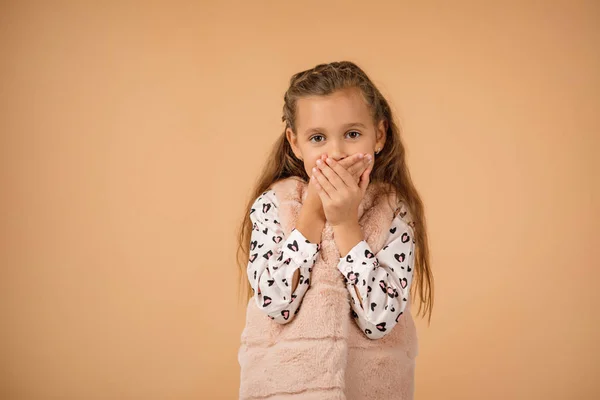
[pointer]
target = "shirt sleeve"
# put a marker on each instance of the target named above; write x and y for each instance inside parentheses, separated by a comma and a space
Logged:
(274, 259)
(382, 280)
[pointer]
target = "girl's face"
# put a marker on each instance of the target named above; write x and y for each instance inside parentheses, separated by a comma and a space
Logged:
(338, 125)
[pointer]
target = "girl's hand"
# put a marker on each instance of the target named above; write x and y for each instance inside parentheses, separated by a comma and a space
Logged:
(313, 200)
(356, 164)
(339, 192)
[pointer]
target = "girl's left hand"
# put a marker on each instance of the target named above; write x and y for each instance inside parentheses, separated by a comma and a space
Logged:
(339, 192)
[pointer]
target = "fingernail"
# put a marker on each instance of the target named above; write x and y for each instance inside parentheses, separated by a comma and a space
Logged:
(360, 155)
(314, 170)
(329, 160)
(369, 158)
(319, 162)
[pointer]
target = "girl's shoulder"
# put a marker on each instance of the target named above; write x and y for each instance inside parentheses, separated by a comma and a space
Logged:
(266, 197)
(396, 201)
(289, 188)
(402, 213)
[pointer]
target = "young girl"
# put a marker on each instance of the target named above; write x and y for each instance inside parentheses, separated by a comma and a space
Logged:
(333, 240)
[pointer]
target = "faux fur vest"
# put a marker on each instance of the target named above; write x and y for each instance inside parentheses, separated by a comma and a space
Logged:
(322, 354)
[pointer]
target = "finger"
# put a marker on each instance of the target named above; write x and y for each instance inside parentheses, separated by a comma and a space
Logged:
(348, 162)
(358, 168)
(322, 157)
(322, 182)
(319, 189)
(342, 173)
(365, 179)
(355, 159)
(353, 164)
(334, 179)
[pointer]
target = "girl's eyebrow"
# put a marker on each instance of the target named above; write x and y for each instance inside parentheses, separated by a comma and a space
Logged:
(345, 126)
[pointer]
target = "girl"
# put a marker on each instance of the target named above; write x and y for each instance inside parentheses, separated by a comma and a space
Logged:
(332, 242)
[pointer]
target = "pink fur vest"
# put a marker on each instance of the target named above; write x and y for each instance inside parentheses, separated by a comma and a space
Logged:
(322, 354)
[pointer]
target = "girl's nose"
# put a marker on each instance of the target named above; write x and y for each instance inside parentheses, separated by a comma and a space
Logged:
(336, 155)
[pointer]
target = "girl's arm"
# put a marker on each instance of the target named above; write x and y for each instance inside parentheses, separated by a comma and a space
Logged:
(379, 284)
(274, 259)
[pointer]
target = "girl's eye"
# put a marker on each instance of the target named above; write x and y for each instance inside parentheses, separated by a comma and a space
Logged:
(320, 136)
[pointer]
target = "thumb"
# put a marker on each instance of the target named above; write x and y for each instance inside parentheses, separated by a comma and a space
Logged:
(364, 179)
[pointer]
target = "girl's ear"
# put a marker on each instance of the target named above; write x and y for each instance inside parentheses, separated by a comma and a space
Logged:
(381, 131)
(292, 138)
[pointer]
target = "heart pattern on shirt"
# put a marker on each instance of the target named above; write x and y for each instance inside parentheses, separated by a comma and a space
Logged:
(270, 223)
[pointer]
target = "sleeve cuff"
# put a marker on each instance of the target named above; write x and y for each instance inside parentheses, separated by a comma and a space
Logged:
(352, 262)
(306, 249)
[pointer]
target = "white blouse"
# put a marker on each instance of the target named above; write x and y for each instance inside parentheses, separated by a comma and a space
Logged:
(382, 280)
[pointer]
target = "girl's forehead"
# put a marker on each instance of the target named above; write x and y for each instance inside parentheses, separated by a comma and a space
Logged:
(346, 95)
(342, 106)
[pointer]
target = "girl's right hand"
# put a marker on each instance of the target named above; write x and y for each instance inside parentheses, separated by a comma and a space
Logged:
(355, 164)
(313, 201)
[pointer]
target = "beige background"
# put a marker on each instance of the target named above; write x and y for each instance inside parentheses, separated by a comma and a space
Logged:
(131, 136)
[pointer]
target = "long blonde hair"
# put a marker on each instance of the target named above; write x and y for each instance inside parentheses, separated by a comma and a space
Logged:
(390, 166)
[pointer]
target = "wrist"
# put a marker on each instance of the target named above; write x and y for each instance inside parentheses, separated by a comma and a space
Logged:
(347, 224)
(315, 207)
(347, 234)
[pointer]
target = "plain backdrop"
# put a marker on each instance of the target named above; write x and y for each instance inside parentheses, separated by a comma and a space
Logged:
(131, 134)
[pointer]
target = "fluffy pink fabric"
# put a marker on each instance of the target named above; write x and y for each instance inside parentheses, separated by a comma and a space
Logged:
(321, 353)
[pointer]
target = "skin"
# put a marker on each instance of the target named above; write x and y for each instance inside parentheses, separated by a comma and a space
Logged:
(331, 113)
(323, 131)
